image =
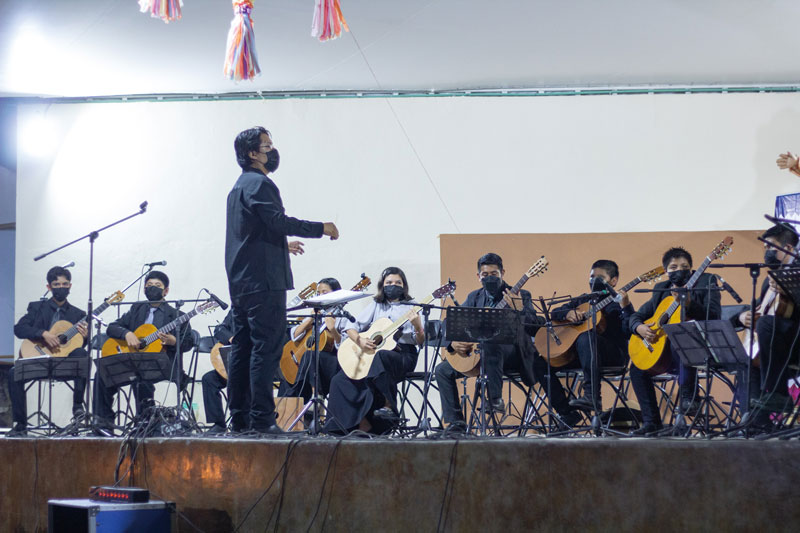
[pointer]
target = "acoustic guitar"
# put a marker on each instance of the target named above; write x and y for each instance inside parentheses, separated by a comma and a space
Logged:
(68, 337)
(468, 362)
(356, 362)
(774, 303)
(653, 357)
(304, 294)
(562, 349)
(148, 334)
(293, 351)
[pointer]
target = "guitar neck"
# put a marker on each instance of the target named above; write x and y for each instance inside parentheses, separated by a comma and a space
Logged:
(171, 326)
(514, 290)
(608, 299)
(397, 324)
(71, 332)
(691, 283)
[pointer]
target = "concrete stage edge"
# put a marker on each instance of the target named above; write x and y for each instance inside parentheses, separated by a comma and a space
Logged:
(422, 485)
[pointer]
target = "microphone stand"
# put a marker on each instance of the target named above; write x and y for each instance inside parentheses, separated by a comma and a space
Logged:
(92, 236)
(548, 324)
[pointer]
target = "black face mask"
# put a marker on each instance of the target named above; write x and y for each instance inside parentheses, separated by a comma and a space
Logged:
(679, 277)
(60, 294)
(273, 160)
(771, 259)
(393, 292)
(492, 284)
(153, 294)
(597, 284)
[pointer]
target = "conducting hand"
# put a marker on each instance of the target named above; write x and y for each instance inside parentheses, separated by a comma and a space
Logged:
(330, 230)
(786, 161)
(296, 248)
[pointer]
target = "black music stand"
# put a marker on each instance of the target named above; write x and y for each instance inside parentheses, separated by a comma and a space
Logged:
(484, 325)
(49, 369)
(709, 344)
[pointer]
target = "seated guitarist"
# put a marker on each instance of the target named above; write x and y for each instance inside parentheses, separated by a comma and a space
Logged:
(34, 325)
(369, 404)
(213, 383)
(500, 357)
(158, 313)
(612, 341)
(777, 333)
(700, 305)
(328, 364)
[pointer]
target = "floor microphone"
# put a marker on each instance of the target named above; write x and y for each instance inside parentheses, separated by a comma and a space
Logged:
(216, 298)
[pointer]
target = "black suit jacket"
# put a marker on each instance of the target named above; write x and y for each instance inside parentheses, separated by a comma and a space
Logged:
(530, 320)
(137, 315)
(39, 315)
(256, 247)
(700, 306)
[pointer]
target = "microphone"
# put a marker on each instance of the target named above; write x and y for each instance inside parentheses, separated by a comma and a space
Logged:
(157, 263)
(216, 298)
(70, 264)
(143, 207)
(347, 315)
(729, 289)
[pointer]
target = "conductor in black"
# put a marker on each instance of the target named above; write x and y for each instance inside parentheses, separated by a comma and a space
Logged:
(259, 274)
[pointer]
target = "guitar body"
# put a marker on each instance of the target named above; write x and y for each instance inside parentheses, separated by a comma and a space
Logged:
(356, 362)
(468, 363)
(567, 332)
(654, 357)
(216, 360)
(31, 348)
(115, 346)
(293, 352)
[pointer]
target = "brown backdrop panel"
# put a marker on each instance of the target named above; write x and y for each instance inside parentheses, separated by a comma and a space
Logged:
(571, 254)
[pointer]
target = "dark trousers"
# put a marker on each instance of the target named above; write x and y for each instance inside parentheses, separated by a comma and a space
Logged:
(328, 367)
(259, 331)
(19, 403)
(778, 345)
(104, 398)
(645, 389)
(499, 358)
(609, 353)
(213, 385)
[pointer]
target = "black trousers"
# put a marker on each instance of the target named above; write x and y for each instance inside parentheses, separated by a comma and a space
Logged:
(778, 345)
(104, 398)
(19, 403)
(259, 332)
(609, 353)
(645, 389)
(499, 358)
(328, 367)
(213, 385)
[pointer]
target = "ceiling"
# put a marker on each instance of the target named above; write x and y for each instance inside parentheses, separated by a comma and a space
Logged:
(88, 47)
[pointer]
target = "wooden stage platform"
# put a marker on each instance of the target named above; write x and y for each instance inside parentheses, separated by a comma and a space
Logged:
(355, 484)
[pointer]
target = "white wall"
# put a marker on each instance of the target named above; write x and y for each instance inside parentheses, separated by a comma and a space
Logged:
(502, 165)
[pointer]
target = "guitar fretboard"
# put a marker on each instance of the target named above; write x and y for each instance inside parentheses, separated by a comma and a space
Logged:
(71, 332)
(610, 298)
(689, 285)
(171, 326)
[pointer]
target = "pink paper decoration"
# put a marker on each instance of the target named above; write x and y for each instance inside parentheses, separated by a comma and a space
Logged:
(165, 10)
(328, 20)
(241, 61)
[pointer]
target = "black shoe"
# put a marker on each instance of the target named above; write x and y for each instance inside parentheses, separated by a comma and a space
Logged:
(459, 427)
(387, 414)
(18, 431)
(569, 420)
(773, 402)
(78, 411)
(647, 430)
(497, 406)
(216, 429)
(584, 403)
(270, 431)
(690, 407)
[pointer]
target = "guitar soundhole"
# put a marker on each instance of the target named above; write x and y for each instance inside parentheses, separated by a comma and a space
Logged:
(62, 339)
(378, 340)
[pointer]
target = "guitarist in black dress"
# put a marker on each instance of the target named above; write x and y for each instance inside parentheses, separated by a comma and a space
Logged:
(158, 313)
(34, 325)
(521, 357)
(700, 305)
(612, 341)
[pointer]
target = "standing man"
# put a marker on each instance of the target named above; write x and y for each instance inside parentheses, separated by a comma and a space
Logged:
(259, 274)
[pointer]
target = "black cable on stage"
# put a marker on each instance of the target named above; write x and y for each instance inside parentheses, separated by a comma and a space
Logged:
(444, 510)
(35, 481)
(292, 445)
(289, 450)
(331, 462)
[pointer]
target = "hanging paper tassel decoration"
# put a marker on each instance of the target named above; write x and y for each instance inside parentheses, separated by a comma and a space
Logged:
(328, 20)
(241, 61)
(165, 10)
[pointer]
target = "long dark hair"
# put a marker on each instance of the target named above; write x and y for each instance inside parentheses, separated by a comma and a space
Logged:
(380, 297)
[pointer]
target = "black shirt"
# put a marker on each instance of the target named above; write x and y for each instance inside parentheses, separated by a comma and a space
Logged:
(616, 319)
(531, 321)
(39, 318)
(223, 332)
(256, 247)
(164, 314)
(700, 307)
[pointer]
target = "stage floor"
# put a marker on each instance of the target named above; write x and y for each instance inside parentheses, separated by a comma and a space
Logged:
(357, 484)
